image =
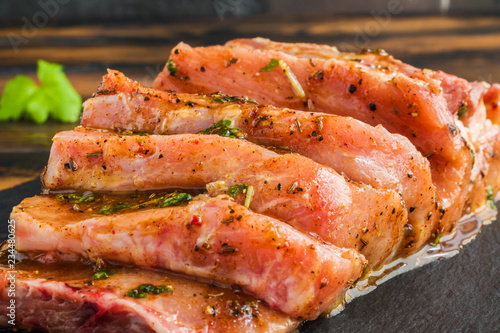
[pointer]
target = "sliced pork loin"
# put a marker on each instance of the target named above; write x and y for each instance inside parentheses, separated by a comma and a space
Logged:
(375, 92)
(289, 187)
(212, 238)
(363, 153)
(64, 298)
(480, 129)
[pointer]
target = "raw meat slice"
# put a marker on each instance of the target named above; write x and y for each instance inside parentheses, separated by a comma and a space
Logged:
(291, 188)
(415, 107)
(64, 298)
(363, 153)
(212, 238)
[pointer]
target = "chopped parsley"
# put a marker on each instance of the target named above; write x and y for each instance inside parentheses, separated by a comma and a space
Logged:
(144, 289)
(223, 128)
(74, 198)
(102, 272)
(270, 66)
(172, 68)
(233, 190)
(461, 112)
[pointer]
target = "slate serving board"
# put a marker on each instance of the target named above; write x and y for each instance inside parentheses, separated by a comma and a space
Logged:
(460, 294)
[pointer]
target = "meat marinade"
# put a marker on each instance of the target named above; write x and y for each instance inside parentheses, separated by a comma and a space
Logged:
(376, 93)
(289, 187)
(363, 153)
(64, 297)
(213, 238)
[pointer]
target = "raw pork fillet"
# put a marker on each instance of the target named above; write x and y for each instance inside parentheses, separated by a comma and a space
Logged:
(363, 153)
(374, 92)
(212, 238)
(63, 298)
(289, 187)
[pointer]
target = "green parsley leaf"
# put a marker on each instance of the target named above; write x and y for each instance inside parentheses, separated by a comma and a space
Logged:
(271, 65)
(462, 111)
(66, 104)
(176, 199)
(15, 95)
(38, 107)
(172, 68)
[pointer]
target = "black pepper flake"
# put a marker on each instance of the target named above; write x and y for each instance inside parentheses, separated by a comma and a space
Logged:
(314, 134)
(231, 61)
(352, 88)
(229, 249)
(189, 103)
(279, 187)
(320, 138)
(227, 222)
(177, 100)
(161, 156)
(363, 241)
(373, 107)
(412, 209)
(202, 68)
(410, 174)
(146, 98)
(71, 165)
(360, 81)
(176, 51)
(317, 75)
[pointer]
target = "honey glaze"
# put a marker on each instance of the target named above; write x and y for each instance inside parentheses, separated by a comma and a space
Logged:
(467, 229)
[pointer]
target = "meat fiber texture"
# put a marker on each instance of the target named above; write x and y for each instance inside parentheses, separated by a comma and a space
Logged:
(363, 153)
(434, 110)
(64, 298)
(212, 238)
(289, 187)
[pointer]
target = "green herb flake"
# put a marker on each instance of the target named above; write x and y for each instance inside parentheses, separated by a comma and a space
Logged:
(233, 190)
(144, 289)
(74, 198)
(171, 67)
(223, 98)
(490, 197)
(270, 66)
(176, 199)
(461, 112)
(102, 272)
(438, 237)
(223, 128)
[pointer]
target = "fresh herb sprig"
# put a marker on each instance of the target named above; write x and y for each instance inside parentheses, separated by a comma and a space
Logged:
(223, 98)
(172, 199)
